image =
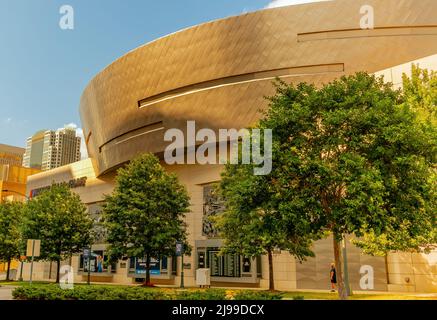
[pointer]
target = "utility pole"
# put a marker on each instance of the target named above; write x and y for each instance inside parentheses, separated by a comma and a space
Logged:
(182, 270)
(31, 263)
(33, 250)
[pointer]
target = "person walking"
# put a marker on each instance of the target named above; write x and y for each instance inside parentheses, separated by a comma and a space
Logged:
(333, 276)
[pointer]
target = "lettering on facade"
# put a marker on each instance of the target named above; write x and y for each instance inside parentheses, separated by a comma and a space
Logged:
(72, 184)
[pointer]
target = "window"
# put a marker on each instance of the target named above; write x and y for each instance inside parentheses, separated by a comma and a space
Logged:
(158, 266)
(227, 265)
(174, 265)
(247, 264)
(98, 263)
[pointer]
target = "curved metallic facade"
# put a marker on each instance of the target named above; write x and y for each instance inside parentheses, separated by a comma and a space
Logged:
(219, 72)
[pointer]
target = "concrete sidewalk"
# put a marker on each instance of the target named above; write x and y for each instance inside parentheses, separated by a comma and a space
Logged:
(6, 292)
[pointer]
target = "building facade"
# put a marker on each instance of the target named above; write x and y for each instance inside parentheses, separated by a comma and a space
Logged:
(13, 177)
(11, 155)
(218, 74)
(34, 151)
(49, 149)
(13, 181)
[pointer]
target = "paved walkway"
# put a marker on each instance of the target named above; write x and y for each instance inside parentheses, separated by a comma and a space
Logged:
(6, 292)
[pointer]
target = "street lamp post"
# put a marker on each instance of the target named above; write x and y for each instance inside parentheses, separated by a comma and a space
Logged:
(87, 254)
(182, 271)
(180, 252)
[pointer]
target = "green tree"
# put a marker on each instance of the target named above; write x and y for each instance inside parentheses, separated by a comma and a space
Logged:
(10, 232)
(352, 158)
(420, 92)
(144, 215)
(252, 223)
(60, 220)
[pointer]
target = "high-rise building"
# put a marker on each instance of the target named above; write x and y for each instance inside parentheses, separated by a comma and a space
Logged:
(11, 155)
(34, 150)
(49, 149)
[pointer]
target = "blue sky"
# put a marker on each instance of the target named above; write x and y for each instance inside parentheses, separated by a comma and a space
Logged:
(44, 69)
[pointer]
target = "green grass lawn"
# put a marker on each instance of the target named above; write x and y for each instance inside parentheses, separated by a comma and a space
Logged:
(367, 296)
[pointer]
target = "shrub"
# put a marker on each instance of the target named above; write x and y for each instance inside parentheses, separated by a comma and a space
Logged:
(257, 295)
(95, 292)
(210, 294)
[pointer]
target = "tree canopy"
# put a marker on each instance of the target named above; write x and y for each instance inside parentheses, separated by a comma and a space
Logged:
(353, 158)
(10, 232)
(253, 223)
(144, 215)
(60, 220)
(421, 93)
(350, 157)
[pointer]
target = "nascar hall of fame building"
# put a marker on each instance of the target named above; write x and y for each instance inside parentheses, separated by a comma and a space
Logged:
(217, 74)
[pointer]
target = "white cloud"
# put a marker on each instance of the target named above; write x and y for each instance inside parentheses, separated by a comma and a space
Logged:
(282, 3)
(71, 125)
(7, 120)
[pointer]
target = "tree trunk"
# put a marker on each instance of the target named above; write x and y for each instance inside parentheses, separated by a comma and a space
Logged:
(58, 269)
(148, 270)
(8, 270)
(271, 280)
(338, 267)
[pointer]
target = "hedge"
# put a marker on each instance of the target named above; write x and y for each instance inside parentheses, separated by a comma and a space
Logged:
(95, 292)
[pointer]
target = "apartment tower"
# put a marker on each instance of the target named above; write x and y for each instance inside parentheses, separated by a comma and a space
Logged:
(51, 149)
